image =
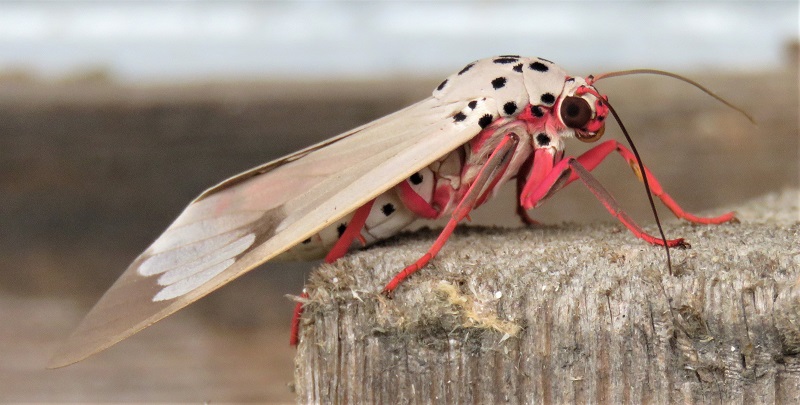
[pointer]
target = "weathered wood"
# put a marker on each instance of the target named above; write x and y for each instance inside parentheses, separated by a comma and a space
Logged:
(566, 314)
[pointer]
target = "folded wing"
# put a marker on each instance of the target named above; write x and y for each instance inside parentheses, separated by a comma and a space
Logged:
(250, 218)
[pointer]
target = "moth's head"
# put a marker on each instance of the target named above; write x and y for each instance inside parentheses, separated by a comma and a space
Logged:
(583, 109)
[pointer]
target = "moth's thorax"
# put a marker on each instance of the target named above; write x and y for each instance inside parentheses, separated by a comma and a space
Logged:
(490, 90)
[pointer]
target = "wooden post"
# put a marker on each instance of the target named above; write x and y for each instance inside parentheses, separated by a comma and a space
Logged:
(566, 314)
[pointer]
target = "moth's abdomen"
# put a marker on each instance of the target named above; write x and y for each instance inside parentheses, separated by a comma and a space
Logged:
(427, 194)
(387, 216)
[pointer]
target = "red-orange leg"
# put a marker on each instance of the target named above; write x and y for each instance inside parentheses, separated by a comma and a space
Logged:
(487, 177)
(339, 249)
(569, 166)
(521, 180)
(592, 158)
(351, 233)
(294, 336)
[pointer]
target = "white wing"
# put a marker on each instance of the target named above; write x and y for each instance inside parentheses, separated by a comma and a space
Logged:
(250, 218)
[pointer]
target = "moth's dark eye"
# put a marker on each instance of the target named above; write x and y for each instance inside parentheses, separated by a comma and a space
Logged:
(575, 112)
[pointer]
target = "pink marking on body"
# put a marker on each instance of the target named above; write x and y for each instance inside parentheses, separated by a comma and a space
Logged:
(548, 122)
(527, 115)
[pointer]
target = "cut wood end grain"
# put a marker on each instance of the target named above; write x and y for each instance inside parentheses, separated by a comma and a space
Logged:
(567, 313)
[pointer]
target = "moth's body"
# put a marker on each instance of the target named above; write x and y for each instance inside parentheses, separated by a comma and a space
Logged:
(494, 120)
(434, 191)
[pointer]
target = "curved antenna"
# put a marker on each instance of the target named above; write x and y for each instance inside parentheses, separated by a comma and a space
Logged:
(674, 76)
(644, 180)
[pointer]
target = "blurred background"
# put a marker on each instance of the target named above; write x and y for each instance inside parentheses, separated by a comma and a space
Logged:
(114, 115)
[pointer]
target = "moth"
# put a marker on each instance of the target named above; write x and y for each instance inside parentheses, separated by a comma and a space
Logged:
(496, 120)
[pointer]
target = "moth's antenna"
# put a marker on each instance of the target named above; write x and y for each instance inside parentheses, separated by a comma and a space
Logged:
(646, 183)
(674, 76)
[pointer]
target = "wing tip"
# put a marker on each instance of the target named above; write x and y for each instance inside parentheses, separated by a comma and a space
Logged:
(61, 360)
(79, 346)
(74, 350)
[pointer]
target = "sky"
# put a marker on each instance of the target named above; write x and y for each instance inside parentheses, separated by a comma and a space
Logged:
(195, 40)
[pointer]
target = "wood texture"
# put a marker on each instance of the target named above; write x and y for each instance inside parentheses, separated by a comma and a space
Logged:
(566, 314)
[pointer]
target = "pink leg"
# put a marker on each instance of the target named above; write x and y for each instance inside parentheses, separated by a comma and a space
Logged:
(415, 202)
(522, 213)
(492, 170)
(294, 336)
(591, 158)
(521, 180)
(351, 233)
(569, 166)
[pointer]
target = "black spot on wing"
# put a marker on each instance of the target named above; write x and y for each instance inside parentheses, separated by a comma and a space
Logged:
(441, 86)
(542, 139)
(548, 98)
(485, 120)
(341, 228)
(539, 67)
(466, 68)
(387, 209)
(537, 111)
(499, 83)
(459, 117)
(415, 179)
(505, 60)
(518, 68)
(472, 104)
(510, 107)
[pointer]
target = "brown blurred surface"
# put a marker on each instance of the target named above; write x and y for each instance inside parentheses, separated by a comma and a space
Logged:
(90, 173)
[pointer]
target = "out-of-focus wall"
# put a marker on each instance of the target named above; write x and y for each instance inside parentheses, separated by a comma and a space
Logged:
(194, 40)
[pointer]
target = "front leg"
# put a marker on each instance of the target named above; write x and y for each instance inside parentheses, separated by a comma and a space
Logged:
(531, 175)
(560, 175)
(592, 158)
(522, 213)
